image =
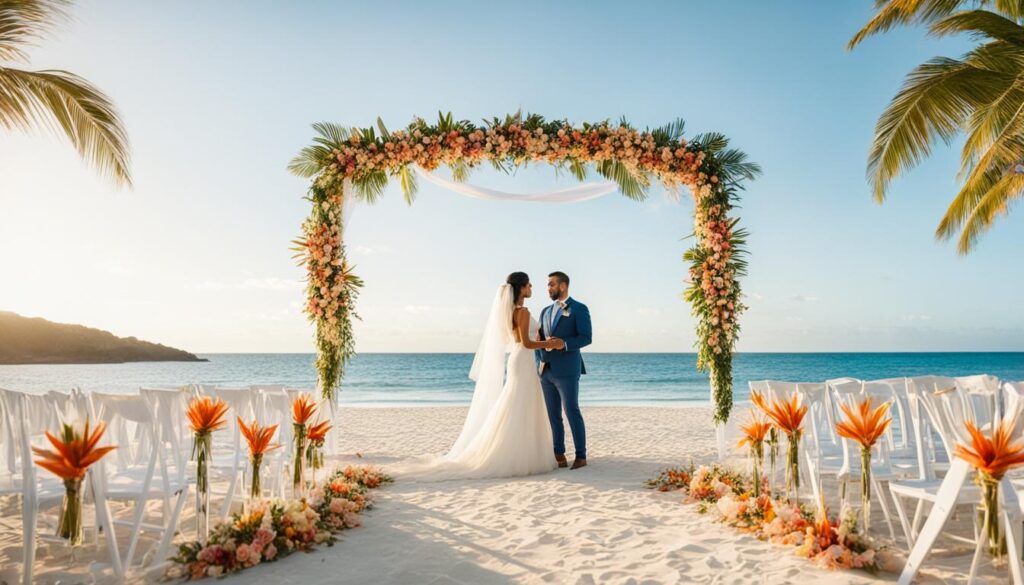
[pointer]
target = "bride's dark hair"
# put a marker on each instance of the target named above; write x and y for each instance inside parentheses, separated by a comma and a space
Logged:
(518, 280)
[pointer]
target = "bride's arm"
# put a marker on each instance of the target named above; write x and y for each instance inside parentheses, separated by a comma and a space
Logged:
(523, 326)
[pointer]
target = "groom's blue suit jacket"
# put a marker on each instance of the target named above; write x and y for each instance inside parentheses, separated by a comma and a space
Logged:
(572, 328)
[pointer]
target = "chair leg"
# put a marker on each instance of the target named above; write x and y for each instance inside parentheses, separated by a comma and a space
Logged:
(915, 528)
(885, 507)
(904, 521)
(28, 519)
(229, 497)
(170, 528)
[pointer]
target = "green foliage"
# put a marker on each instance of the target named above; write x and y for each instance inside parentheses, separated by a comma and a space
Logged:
(980, 95)
(57, 100)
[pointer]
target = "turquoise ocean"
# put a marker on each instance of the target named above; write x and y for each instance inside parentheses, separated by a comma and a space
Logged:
(442, 379)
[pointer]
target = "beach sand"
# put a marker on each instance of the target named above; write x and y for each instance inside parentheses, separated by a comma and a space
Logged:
(593, 525)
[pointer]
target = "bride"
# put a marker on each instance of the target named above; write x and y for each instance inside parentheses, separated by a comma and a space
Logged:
(506, 432)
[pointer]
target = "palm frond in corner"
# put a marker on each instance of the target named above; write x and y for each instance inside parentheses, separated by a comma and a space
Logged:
(632, 185)
(370, 187)
(407, 179)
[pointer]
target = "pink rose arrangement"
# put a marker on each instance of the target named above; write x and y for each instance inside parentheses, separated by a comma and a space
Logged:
(278, 528)
(729, 495)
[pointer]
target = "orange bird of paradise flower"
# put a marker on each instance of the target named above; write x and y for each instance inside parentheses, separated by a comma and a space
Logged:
(824, 531)
(73, 453)
(994, 455)
(788, 415)
(759, 401)
(257, 436)
(206, 414)
(303, 408)
(866, 424)
(755, 431)
(318, 432)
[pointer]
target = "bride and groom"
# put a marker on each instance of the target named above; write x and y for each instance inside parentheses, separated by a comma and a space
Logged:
(514, 424)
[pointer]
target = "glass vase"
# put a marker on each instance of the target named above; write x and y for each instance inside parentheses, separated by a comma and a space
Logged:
(991, 526)
(773, 456)
(793, 469)
(70, 526)
(758, 458)
(299, 470)
(865, 488)
(203, 448)
(256, 491)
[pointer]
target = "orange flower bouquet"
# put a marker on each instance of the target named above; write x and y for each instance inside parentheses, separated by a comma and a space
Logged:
(754, 433)
(316, 435)
(303, 409)
(258, 437)
(865, 425)
(773, 436)
(788, 417)
(73, 453)
(992, 456)
(205, 415)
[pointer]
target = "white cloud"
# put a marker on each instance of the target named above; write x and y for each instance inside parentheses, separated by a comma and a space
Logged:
(804, 299)
(272, 283)
(921, 317)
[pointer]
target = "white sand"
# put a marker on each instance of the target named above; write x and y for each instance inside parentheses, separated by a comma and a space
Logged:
(593, 525)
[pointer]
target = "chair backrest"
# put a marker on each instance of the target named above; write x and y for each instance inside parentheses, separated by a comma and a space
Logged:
(980, 395)
(130, 422)
(171, 429)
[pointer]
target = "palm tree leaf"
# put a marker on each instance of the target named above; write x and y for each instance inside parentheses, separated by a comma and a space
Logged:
(330, 134)
(25, 21)
(990, 204)
(735, 166)
(632, 184)
(460, 170)
(935, 100)
(979, 24)
(671, 132)
(407, 179)
(370, 187)
(578, 170)
(309, 162)
(70, 105)
(711, 142)
(893, 13)
(383, 130)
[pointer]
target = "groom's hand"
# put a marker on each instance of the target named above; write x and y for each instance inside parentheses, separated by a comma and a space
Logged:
(557, 343)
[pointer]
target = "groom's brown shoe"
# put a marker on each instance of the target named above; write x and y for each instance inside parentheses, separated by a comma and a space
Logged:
(579, 463)
(561, 461)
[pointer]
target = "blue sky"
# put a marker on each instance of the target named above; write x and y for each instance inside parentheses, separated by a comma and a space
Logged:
(218, 96)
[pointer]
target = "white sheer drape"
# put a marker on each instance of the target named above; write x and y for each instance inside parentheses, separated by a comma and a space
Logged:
(574, 194)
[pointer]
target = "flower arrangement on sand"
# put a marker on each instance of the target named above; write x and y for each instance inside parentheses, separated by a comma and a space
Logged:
(273, 529)
(728, 494)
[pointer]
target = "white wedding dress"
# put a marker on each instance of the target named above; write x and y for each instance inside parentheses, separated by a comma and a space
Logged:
(506, 432)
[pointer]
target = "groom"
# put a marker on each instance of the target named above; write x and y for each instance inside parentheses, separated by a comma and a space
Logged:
(568, 321)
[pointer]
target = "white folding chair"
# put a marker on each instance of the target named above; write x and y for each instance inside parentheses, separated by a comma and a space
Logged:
(158, 471)
(230, 458)
(26, 419)
(882, 468)
(944, 406)
(277, 409)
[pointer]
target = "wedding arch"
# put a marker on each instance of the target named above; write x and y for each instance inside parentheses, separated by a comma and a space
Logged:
(350, 164)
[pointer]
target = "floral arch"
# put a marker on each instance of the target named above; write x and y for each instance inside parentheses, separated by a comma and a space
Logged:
(350, 164)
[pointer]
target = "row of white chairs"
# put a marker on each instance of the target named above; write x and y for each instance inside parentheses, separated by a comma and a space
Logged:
(151, 464)
(929, 415)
